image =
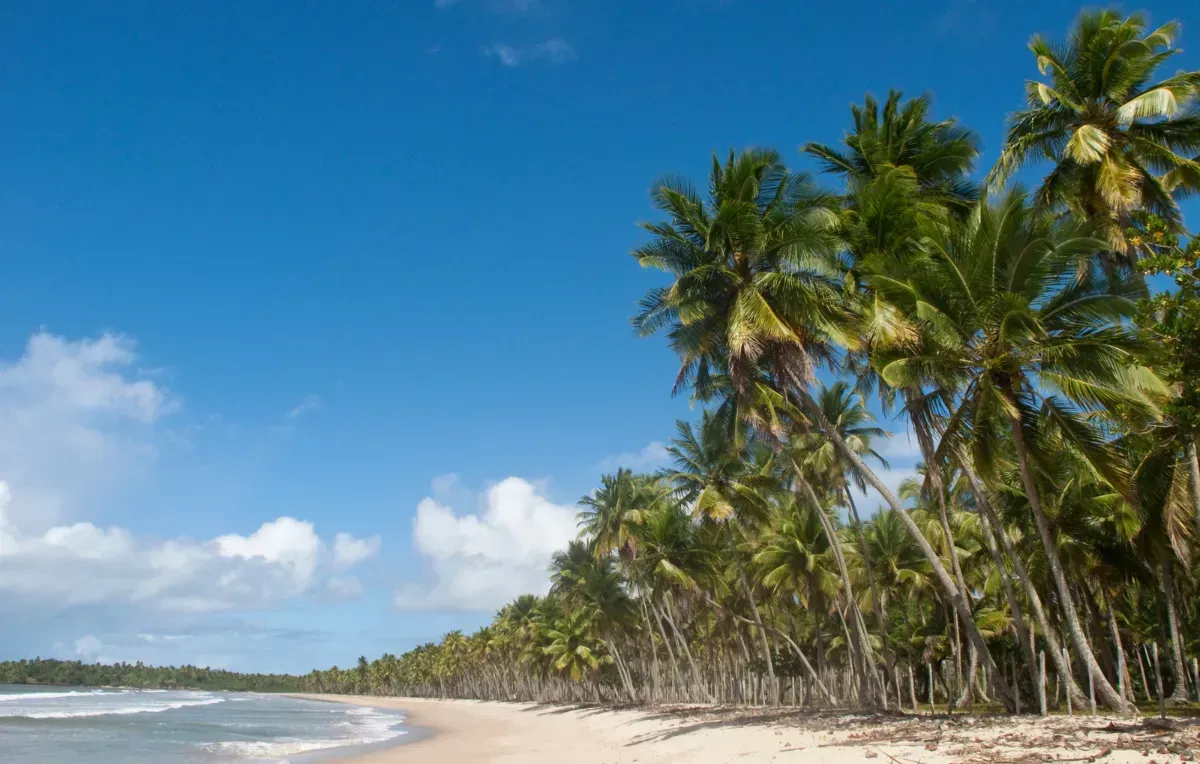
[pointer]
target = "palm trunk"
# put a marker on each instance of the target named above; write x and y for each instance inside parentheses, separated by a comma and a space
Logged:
(876, 600)
(1179, 694)
(858, 638)
(1014, 604)
(937, 486)
(1194, 469)
(816, 677)
(1003, 691)
(762, 633)
(656, 679)
(669, 612)
(1123, 679)
(1035, 600)
(1109, 696)
(679, 683)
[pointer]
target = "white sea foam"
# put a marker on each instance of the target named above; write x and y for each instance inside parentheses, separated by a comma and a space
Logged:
(368, 727)
(75, 713)
(48, 695)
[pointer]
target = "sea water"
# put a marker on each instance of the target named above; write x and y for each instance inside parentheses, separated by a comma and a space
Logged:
(49, 725)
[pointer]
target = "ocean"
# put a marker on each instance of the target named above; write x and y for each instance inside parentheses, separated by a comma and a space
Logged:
(53, 725)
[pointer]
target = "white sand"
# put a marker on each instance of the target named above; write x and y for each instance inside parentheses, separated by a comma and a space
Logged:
(470, 732)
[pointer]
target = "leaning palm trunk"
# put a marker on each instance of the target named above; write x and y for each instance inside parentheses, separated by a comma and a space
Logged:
(937, 486)
(762, 633)
(1179, 694)
(1014, 604)
(1194, 469)
(1074, 630)
(859, 642)
(697, 678)
(949, 588)
(812, 673)
(877, 606)
(1035, 600)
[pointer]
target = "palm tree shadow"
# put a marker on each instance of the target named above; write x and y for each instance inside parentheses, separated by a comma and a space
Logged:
(710, 718)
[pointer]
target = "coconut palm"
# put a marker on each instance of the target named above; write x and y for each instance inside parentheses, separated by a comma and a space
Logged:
(1120, 140)
(755, 294)
(1000, 315)
(937, 156)
(610, 511)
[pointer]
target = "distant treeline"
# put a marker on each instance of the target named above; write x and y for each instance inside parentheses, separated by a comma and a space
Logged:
(80, 674)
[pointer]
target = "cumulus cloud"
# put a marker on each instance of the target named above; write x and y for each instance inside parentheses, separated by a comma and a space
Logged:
(76, 417)
(556, 51)
(653, 455)
(348, 551)
(479, 561)
(82, 564)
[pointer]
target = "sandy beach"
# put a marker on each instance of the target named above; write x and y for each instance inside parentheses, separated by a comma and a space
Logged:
(468, 732)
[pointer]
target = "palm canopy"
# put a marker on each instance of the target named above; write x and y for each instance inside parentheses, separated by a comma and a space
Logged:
(844, 409)
(938, 155)
(1012, 313)
(619, 504)
(755, 279)
(1120, 140)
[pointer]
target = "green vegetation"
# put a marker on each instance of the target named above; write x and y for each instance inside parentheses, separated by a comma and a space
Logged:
(79, 674)
(1051, 393)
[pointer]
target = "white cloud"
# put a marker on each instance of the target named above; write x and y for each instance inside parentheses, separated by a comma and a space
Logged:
(653, 455)
(556, 50)
(82, 564)
(307, 406)
(481, 561)
(75, 419)
(348, 551)
(87, 647)
(902, 453)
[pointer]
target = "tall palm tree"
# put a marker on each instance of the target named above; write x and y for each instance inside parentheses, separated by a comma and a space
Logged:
(845, 410)
(1000, 319)
(757, 294)
(1120, 141)
(938, 156)
(610, 511)
(710, 474)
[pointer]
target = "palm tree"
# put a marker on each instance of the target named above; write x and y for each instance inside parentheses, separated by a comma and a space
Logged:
(845, 410)
(611, 510)
(573, 645)
(1119, 140)
(757, 296)
(1000, 319)
(937, 156)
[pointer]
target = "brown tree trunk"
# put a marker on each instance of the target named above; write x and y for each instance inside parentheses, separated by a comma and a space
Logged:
(762, 633)
(868, 675)
(1193, 465)
(947, 584)
(1109, 696)
(1035, 600)
(1179, 694)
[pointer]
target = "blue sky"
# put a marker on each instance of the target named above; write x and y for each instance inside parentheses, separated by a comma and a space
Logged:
(280, 260)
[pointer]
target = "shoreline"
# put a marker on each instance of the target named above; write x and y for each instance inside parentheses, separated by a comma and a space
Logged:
(479, 732)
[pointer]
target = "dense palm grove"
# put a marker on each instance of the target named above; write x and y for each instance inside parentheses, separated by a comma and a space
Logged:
(79, 674)
(1039, 347)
